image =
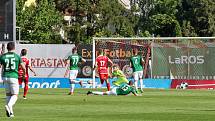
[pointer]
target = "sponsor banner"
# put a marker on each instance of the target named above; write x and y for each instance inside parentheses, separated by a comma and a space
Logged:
(48, 60)
(157, 83)
(182, 61)
(194, 84)
(64, 83)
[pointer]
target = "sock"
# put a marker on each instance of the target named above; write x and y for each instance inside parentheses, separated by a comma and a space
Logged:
(12, 101)
(136, 85)
(108, 93)
(7, 99)
(141, 84)
(108, 86)
(97, 93)
(72, 87)
(25, 89)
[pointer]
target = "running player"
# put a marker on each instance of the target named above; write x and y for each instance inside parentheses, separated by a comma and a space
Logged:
(137, 64)
(27, 66)
(121, 78)
(102, 68)
(10, 62)
(123, 89)
(73, 68)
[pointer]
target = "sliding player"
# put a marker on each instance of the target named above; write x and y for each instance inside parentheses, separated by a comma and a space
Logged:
(102, 66)
(20, 71)
(121, 78)
(73, 68)
(137, 64)
(123, 89)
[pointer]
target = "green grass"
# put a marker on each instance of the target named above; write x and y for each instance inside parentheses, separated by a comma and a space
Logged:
(154, 105)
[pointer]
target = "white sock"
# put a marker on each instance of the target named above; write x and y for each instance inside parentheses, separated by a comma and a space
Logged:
(97, 93)
(72, 87)
(12, 101)
(136, 85)
(141, 84)
(108, 92)
(7, 99)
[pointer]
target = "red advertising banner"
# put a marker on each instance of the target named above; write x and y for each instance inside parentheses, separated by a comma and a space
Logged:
(194, 84)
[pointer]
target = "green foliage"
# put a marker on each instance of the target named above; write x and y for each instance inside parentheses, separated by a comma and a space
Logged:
(40, 23)
(108, 18)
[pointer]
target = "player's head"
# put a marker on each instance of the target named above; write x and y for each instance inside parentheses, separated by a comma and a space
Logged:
(23, 52)
(10, 46)
(115, 67)
(101, 51)
(135, 51)
(74, 50)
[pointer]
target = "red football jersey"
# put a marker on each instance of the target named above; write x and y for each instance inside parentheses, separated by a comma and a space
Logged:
(26, 62)
(102, 63)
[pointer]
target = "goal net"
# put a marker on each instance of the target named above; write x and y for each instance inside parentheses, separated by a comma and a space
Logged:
(165, 57)
(119, 50)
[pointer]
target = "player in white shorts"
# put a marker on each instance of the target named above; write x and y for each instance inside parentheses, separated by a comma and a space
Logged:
(10, 62)
(73, 68)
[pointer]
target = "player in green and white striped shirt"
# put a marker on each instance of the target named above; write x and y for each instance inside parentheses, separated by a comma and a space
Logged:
(10, 62)
(73, 68)
(137, 64)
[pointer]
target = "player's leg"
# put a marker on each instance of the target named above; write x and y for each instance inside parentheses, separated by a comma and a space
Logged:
(73, 76)
(112, 92)
(107, 81)
(104, 78)
(136, 78)
(13, 93)
(140, 74)
(26, 87)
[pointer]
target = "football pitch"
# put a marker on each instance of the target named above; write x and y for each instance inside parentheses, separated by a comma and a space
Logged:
(153, 105)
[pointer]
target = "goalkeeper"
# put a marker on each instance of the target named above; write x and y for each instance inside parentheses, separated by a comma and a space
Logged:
(121, 78)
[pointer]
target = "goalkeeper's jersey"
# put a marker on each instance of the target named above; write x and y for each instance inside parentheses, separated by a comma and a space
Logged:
(118, 73)
(124, 89)
(136, 63)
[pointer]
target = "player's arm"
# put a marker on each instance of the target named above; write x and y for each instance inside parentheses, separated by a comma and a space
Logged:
(67, 67)
(95, 66)
(32, 70)
(142, 61)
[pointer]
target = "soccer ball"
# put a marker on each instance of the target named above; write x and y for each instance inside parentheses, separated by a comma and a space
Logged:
(184, 85)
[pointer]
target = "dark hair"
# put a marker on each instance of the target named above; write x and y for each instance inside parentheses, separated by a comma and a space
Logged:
(10, 46)
(74, 49)
(23, 52)
(100, 51)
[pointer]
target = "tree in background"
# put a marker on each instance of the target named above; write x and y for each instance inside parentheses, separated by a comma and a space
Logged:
(39, 23)
(42, 23)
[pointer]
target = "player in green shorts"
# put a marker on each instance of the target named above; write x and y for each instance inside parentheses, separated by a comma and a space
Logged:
(10, 62)
(123, 89)
(121, 78)
(137, 64)
(73, 61)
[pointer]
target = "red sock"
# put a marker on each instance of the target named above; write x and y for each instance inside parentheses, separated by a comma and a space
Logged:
(25, 89)
(108, 86)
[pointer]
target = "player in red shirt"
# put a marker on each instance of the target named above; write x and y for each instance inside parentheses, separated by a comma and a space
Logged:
(102, 68)
(27, 66)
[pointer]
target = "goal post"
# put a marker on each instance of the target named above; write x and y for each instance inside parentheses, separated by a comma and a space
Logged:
(170, 57)
(119, 50)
